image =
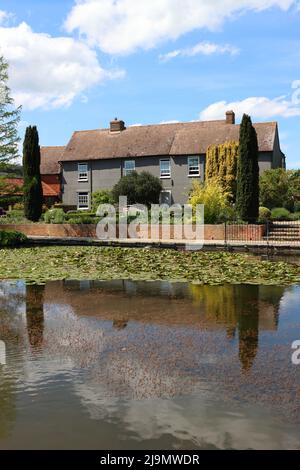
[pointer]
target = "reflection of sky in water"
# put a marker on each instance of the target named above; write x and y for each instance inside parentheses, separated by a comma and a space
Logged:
(2, 353)
(173, 366)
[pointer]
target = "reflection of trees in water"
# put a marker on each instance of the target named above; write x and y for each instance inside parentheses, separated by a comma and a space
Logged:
(35, 314)
(238, 308)
(247, 300)
(218, 302)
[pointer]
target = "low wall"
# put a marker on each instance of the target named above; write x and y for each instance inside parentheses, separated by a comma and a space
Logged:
(53, 230)
(245, 232)
(162, 232)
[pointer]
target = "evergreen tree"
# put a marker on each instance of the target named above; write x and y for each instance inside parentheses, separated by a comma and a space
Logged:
(33, 193)
(140, 188)
(9, 118)
(247, 199)
(221, 164)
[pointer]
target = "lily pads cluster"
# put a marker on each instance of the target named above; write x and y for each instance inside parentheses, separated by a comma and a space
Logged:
(41, 264)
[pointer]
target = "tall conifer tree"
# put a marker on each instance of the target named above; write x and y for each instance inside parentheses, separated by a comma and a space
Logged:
(247, 198)
(33, 193)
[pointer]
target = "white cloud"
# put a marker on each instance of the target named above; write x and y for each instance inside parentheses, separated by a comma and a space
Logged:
(3, 16)
(203, 48)
(257, 107)
(122, 26)
(48, 72)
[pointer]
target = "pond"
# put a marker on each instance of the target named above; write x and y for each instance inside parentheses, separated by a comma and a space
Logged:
(148, 365)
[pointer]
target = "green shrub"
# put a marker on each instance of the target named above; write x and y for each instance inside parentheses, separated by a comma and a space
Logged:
(54, 216)
(295, 216)
(13, 217)
(19, 206)
(264, 215)
(9, 200)
(86, 219)
(280, 213)
(214, 198)
(140, 188)
(15, 213)
(12, 238)
(280, 188)
(103, 196)
(78, 214)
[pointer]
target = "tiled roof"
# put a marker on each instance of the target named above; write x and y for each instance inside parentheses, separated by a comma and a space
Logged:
(48, 189)
(50, 157)
(164, 139)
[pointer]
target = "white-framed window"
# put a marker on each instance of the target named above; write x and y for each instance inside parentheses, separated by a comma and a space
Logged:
(129, 167)
(83, 174)
(194, 166)
(83, 201)
(165, 168)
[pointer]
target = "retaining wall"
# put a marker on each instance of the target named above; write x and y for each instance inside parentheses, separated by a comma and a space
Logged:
(162, 232)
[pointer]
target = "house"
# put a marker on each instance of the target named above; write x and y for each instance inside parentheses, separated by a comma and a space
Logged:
(10, 191)
(175, 153)
(51, 174)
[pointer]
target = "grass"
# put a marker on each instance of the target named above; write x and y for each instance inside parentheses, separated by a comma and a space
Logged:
(38, 265)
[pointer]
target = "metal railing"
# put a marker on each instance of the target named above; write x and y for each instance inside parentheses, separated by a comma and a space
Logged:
(272, 233)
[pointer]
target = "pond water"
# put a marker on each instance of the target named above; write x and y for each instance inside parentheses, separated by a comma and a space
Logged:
(148, 365)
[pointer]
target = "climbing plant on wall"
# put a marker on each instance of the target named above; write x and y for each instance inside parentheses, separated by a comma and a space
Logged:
(221, 163)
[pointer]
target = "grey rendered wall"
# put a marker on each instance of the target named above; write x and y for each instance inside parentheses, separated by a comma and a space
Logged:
(104, 174)
(70, 184)
(182, 182)
(179, 183)
(265, 161)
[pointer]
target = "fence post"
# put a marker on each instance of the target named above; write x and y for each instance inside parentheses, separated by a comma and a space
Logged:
(225, 233)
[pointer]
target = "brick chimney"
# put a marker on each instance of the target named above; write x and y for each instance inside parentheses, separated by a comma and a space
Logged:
(117, 125)
(230, 117)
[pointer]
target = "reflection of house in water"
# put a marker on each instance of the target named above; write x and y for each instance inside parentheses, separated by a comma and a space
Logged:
(241, 311)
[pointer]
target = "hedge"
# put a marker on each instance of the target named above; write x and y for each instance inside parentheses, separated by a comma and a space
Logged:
(12, 238)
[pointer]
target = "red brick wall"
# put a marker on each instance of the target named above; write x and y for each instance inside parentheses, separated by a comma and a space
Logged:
(245, 232)
(211, 232)
(53, 230)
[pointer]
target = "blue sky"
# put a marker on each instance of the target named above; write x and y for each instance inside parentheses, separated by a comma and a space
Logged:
(78, 64)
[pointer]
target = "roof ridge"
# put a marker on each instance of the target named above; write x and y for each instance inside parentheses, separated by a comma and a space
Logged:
(52, 146)
(179, 123)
